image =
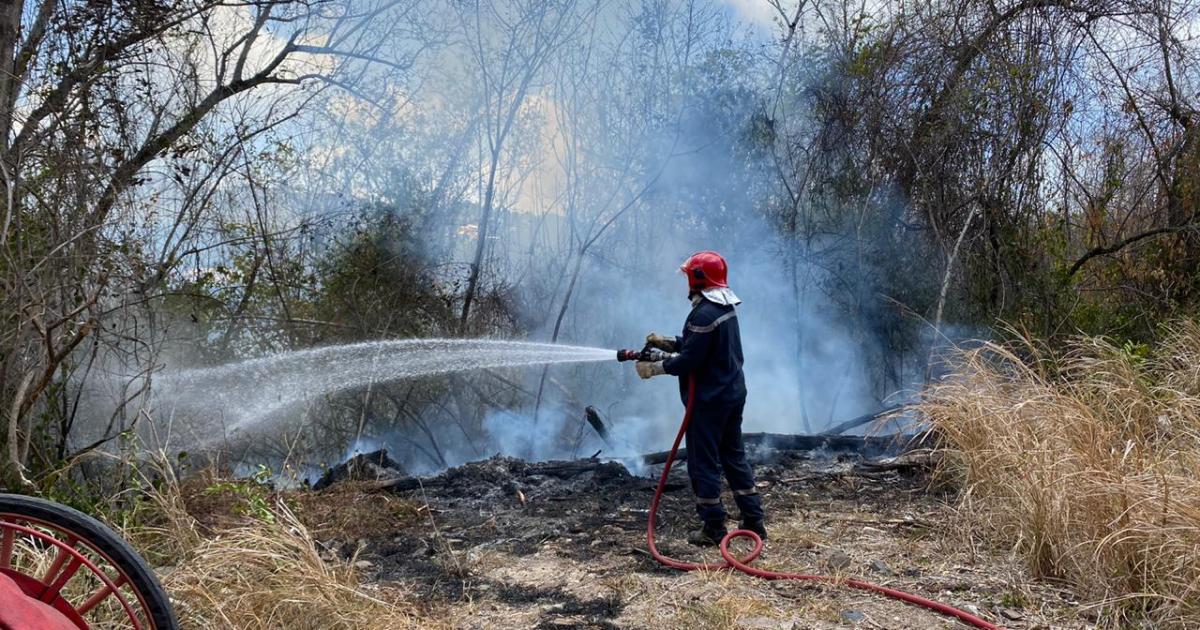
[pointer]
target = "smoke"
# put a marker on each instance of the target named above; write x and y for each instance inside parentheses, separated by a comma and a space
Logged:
(813, 356)
(815, 327)
(807, 366)
(689, 148)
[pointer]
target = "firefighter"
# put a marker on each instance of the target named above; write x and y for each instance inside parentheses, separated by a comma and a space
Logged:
(710, 352)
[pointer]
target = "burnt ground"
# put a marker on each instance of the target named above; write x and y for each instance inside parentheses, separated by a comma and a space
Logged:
(504, 543)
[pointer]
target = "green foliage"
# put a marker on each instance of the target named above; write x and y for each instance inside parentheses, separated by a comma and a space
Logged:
(1135, 353)
(253, 494)
(377, 282)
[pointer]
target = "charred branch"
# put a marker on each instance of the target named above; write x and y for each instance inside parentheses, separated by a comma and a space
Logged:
(854, 423)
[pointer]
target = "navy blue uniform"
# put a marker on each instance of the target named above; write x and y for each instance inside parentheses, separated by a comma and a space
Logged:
(710, 351)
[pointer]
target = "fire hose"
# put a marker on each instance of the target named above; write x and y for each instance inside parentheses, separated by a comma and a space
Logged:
(744, 564)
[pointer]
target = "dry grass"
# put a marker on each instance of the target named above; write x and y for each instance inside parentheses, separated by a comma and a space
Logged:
(1087, 462)
(271, 576)
(720, 600)
(261, 570)
(353, 510)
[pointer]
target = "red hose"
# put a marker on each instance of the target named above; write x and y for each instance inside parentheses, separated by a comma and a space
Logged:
(743, 564)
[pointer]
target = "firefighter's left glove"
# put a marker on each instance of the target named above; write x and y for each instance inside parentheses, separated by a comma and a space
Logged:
(650, 369)
(666, 343)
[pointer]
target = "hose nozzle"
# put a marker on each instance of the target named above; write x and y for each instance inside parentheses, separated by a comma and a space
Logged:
(649, 353)
(629, 355)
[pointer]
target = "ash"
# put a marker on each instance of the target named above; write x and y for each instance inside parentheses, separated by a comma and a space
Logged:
(583, 510)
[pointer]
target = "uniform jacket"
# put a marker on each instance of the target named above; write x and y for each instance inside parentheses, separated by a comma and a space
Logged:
(710, 349)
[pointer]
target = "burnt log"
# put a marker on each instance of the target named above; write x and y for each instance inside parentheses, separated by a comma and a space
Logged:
(780, 442)
(407, 484)
(565, 469)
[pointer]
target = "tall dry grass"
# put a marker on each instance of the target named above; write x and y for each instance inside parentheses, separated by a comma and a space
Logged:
(1087, 462)
(270, 575)
(262, 574)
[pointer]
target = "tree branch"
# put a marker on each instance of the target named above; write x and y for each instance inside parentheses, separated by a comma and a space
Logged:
(1112, 249)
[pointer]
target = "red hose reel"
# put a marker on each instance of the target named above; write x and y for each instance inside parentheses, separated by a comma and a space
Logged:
(60, 568)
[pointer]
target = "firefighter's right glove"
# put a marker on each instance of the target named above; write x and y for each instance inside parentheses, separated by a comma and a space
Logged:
(650, 369)
(666, 343)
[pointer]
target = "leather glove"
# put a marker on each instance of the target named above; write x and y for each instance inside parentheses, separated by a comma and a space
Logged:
(666, 343)
(648, 369)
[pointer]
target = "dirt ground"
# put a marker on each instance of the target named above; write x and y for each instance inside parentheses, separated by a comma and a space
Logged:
(503, 543)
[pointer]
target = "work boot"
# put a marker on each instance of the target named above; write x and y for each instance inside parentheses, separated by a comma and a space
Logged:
(708, 536)
(758, 527)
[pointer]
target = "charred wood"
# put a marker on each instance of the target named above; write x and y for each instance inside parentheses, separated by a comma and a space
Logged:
(911, 461)
(781, 442)
(555, 469)
(593, 418)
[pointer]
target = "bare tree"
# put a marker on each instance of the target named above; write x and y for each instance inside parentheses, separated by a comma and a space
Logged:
(100, 104)
(510, 44)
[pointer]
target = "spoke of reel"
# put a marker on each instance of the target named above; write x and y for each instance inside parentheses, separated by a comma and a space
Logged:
(6, 546)
(104, 592)
(61, 580)
(56, 572)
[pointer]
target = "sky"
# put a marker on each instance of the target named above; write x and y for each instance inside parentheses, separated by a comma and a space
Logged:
(758, 12)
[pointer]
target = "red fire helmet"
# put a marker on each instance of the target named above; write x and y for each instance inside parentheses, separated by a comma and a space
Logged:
(706, 270)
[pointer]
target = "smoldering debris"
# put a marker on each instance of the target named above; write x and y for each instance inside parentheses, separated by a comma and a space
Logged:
(373, 466)
(507, 478)
(594, 508)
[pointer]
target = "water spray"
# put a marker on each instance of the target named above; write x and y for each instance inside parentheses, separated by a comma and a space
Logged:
(249, 393)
